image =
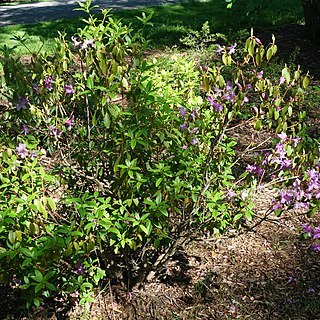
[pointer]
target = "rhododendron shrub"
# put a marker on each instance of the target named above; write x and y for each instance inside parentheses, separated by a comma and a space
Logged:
(119, 160)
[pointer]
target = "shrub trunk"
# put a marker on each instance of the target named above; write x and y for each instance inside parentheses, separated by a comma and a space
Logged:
(311, 9)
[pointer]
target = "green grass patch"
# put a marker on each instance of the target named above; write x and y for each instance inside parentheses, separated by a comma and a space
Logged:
(171, 22)
(13, 3)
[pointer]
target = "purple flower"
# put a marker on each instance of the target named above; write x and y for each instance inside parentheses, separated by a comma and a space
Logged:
(282, 136)
(313, 174)
(194, 141)
(311, 291)
(219, 49)
(229, 86)
(75, 41)
(315, 247)
(258, 41)
(48, 83)
(184, 147)
(279, 150)
(183, 126)
(219, 91)
(291, 280)
(260, 74)
(25, 129)
(69, 89)
(54, 131)
(232, 49)
(70, 122)
(194, 113)
(194, 130)
(36, 88)
(282, 80)
(286, 196)
(182, 111)
(231, 194)
(285, 163)
(79, 268)
(244, 194)
(248, 86)
(216, 106)
(297, 183)
(86, 43)
(22, 103)
(22, 150)
(254, 169)
(303, 206)
(277, 206)
(296, 141)
(316, 233)
(229, 94)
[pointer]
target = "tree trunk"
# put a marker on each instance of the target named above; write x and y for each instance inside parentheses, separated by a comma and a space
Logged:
(311, 9)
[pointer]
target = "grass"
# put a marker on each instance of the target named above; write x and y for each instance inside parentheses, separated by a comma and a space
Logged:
(13, 2)
(171, 22)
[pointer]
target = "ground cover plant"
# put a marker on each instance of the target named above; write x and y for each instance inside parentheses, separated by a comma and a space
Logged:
(111, 162)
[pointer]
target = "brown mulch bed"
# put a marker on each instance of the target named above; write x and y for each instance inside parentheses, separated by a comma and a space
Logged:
(266, 274)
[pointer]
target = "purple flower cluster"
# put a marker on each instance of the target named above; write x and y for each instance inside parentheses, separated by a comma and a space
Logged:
(69, 89)
(187, 125)
(217, 107)
(22, 150)
(70, 122)
(254, 169)
(220, 97)
(314, 234)
(229, 50)
(280, 154)
(54, 131)
(79, 268)
(22, 104)
(83, 45)
(48, 83)
(301, 192)
(294, 196)
(25, 129)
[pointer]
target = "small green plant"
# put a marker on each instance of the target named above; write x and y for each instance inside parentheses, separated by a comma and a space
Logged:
(201, 39)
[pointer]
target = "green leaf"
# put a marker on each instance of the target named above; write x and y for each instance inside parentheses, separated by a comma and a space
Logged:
(258, 125)
(133, 143)
(50, 286)
(51, 204)
(158, 182)
(115, 231)
(305, 82)
(36, 302)
(12, 237)
(286, 74)
(38, 276)
(38, 287)
(106, 120)
(90, 83)
(269, 54)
